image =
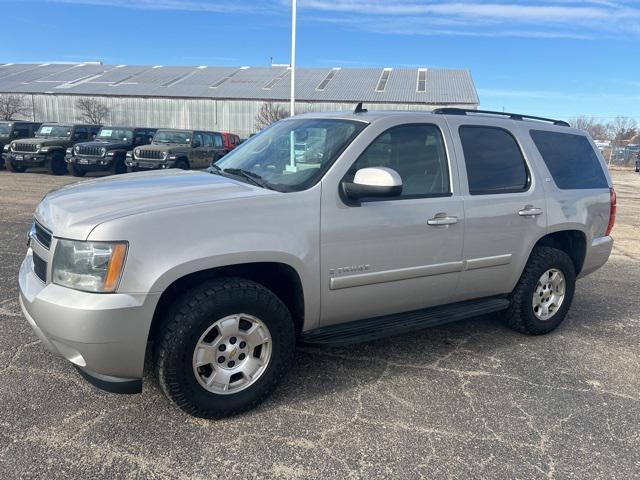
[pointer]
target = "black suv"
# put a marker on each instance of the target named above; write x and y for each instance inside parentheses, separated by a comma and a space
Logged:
(108, 151)
(48, 148)
(13, 130)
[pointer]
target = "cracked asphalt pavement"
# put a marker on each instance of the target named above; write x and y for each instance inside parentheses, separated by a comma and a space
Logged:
(466, 400)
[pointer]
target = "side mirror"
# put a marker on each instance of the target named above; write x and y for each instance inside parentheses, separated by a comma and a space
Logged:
(377, 182)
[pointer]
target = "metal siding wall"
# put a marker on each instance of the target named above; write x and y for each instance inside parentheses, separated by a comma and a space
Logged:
(236, 116)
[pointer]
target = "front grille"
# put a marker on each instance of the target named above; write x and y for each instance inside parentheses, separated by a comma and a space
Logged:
(42, 235)
(24, 147)
(89, 151)
(40, 268)
(150, 154)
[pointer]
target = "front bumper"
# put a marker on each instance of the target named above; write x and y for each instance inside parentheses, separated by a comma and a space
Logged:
(597, 255)
(26, 159)
(149, 164)
(104, 335)
(91, 164)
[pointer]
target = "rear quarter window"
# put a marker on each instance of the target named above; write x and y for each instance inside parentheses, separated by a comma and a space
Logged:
(571, 160)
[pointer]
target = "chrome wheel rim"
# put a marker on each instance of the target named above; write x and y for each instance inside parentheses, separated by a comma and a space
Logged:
(549, 294)
(232, 354)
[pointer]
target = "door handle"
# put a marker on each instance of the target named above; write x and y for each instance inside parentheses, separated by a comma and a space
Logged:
(442, 221)
(530, 211)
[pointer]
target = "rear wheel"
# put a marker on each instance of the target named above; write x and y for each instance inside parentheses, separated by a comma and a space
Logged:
(12, 167)
(56, 164)
(543, 295)
(224, 347)
(75, 170)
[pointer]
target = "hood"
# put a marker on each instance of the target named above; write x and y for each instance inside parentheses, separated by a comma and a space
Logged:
(165, 147)
(44, 141)
(74, 210)
(106, 144)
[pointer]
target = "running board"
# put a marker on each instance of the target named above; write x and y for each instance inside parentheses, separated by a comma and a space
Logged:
(379, 327)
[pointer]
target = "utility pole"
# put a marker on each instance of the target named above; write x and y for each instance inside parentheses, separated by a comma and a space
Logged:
(294, 8)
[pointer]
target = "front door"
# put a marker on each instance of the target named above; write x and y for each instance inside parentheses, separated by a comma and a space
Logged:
(400, 254)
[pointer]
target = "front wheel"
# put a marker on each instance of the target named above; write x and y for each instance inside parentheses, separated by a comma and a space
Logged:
(543, 295)
(12, 167)
(182, 165)
(224, 347)
(75, 170)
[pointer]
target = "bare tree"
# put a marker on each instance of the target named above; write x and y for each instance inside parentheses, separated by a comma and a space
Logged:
(92, 111)
(12, 106)
(622, 128)
(594, 128)
(270, 113)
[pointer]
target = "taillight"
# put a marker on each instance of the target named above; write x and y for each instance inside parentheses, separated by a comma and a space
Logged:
(612, 211)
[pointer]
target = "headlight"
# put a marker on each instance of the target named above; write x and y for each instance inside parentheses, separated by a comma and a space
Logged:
(38, 146)
(77, 148)
(89, 266)
(165, 155)
(103, 151)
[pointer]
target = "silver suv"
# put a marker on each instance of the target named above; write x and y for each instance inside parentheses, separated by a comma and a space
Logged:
(324, 228)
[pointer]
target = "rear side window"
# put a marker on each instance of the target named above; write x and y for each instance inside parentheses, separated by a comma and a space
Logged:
(570, 159)
(494, 161)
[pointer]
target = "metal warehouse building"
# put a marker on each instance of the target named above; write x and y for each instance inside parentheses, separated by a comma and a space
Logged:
(226, 98)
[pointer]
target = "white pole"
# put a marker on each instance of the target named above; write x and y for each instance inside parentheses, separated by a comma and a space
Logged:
(294, 9)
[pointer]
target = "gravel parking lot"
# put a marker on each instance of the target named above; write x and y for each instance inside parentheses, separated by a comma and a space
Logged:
(466, 400)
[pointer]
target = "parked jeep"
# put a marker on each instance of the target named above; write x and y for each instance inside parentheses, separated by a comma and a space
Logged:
(182, 149)
(108, 151)
(48, 147)
(14, 130)
(230, 140)
(384, 223)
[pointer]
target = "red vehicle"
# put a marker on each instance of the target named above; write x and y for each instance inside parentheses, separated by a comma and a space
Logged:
(231, 141)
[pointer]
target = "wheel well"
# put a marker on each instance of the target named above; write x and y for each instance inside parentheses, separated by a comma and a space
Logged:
(280, 278)
(572, 242)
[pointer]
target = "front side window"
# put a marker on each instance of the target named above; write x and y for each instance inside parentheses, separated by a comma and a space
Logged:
(57, 131)
(218, 140)
(417, 153)
(494, 161)
(293, 154)
(198, 141)
(571, 160)
(208, 140)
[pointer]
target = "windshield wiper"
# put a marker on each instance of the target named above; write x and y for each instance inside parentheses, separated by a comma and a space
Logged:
(252, 177)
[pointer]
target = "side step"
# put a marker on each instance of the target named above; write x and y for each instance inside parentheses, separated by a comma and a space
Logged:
(395, 324)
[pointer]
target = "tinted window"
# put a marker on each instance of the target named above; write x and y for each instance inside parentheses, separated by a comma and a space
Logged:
(208, 140)
(198, 140)
(22, 131)
(81, 133)
(570, 159)
(494, 161)
(218, 140)
(417, 153)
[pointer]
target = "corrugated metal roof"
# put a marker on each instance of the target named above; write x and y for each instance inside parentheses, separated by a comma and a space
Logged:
(443, 86)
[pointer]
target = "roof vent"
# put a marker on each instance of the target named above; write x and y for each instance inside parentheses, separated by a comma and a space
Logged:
(384, 78)
(421, 86)
(325, 81)
(275, 80)
(224, 79)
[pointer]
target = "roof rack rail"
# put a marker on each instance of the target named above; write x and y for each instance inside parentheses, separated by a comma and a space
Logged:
(512, 116)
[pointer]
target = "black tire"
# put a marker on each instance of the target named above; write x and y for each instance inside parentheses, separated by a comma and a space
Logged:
(190, 316)
(75, 170)
(15, 168)
(182, 165)
(520, 315)
(56, 164)
(118, 166)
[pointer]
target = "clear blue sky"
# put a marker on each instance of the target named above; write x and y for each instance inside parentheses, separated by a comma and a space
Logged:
(548, 57)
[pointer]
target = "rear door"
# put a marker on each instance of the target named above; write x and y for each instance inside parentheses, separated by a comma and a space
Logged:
(504, 204)
(199, 153)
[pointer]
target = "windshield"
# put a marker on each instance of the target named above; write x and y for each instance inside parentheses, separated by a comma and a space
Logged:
(293, 154)
(171, 136)
(5, 129)
(115, 134)
(54, 131)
